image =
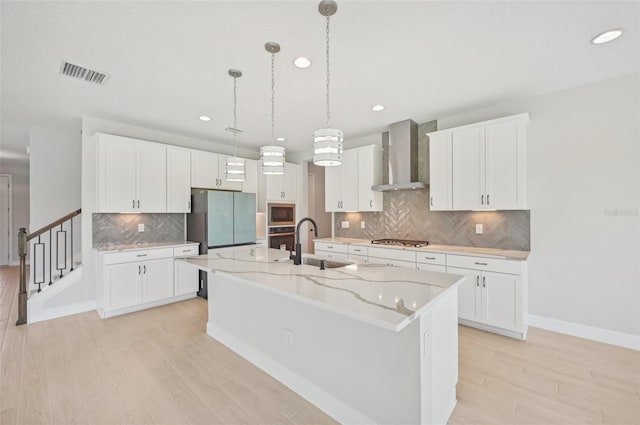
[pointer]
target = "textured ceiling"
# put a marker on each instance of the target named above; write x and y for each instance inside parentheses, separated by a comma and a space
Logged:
(168, 62)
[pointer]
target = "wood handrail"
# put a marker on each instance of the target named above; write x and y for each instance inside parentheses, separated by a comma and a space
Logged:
(54, 224)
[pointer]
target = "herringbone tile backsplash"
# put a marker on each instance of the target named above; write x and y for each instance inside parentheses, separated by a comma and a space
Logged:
(407, 216)
(117, 229)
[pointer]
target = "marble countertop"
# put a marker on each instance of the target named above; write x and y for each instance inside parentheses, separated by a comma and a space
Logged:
(508, 254)
(143, 245)
(384, 296)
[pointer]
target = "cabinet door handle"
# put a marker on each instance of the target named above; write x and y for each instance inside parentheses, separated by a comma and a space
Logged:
(482, 264)
(141, 255)
(484, 281)
(477, 281)
(186, 250)
(430, 258)
(189, 205)
(482, 199)
(488, 199)
(139, 270)
(371, 203)
(138, 203)
(144, 268)
(431, 201)
(133, 203)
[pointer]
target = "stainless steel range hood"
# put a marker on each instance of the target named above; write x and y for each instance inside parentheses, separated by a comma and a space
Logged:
(400, 160)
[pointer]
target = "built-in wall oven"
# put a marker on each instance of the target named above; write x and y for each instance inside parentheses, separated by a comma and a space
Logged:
(282, 237)
(282, 214)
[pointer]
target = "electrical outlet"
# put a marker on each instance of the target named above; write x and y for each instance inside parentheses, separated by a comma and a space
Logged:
(345, 224)
(141, 227)
(288, 337)
(362, 225)
(479, 229)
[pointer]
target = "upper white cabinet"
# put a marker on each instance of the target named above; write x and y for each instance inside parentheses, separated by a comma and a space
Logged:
(282, 187)
(132, 175)
(341, 184)
(207, 172)
(369, 174)
(440, 173)
(348, 186)
(480, 166)
(178, 180)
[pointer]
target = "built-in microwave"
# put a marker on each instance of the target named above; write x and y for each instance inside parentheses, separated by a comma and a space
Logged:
(282, 214)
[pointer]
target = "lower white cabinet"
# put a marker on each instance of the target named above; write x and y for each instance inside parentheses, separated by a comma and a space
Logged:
(139, 279)
(332, 251)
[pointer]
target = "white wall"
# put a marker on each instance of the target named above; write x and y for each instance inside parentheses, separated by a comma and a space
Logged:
(54, 174)
(584, 189)
(19, 171)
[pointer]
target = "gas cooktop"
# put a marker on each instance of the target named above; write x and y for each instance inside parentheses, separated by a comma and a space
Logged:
(400, 242)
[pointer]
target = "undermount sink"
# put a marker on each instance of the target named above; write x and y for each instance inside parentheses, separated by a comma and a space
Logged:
(328, 264)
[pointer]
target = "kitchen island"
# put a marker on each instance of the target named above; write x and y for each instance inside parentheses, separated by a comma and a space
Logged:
(365, 343)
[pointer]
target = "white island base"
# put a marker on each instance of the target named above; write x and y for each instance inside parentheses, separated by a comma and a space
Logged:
(356, 372)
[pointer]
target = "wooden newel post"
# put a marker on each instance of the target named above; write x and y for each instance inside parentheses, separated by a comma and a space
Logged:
(22, 296)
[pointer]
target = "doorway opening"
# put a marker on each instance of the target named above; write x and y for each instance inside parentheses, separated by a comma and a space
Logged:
(5, 219)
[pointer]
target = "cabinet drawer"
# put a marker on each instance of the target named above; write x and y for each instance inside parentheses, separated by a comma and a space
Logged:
(358, 250)
(483, 263)
(431, 258)
(392, 262)
(139, 255)
(361, 258)
(185, 251)
(333, 247)
(431, 267)
(392, 254)
(332, 255)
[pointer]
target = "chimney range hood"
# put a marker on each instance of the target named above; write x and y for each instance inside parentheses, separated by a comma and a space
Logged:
(400, 158)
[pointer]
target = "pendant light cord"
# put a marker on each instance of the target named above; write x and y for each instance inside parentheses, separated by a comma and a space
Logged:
(328, 77)
(273, 99)
(235, 116)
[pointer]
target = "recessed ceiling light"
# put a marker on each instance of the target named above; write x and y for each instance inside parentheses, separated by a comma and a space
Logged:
(607, 36)
(377, 108)
(205, 118)
(281, 139)
(302, 62)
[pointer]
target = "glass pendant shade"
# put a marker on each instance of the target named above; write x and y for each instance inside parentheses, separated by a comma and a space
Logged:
(327, 147)
(272, 159)
(234, 169)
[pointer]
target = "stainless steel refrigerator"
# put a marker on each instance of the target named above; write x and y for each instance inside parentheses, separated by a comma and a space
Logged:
(220, 219)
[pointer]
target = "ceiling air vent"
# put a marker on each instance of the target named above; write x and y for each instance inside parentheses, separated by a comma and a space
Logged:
(81, 73)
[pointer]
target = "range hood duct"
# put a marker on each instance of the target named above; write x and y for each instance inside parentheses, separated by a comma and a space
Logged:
(400, 158)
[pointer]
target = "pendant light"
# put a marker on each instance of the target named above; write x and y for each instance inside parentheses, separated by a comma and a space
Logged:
(234, 167)
(272, 156)
(327, 142)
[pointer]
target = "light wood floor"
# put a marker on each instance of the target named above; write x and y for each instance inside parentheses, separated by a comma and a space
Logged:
(159, 366)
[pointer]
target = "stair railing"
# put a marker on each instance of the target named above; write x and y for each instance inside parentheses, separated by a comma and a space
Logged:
(42, 246)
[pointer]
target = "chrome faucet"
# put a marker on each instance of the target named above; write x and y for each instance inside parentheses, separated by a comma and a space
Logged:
(297, 260)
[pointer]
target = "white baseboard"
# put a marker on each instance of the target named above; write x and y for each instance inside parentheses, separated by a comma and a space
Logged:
(66, 310)
(584, 331)
(329, 404)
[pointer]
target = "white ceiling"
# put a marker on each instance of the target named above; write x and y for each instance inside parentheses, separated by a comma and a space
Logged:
(168, 62)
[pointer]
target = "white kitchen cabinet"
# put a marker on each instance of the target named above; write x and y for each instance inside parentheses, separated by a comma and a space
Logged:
(139, 279)
(283, 187)
(132, 175)
(487, 163)
(207, 172)
(332, 251)
(369, 174)
(493, 295)
(185, 275)
(178, 181)
(157, 280)
(341, 184)
(250, 183)
(440, 171)
(468, 168)
(123, 286)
